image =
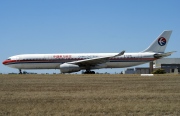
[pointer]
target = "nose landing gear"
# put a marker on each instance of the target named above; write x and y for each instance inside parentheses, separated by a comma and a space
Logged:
(20, 72)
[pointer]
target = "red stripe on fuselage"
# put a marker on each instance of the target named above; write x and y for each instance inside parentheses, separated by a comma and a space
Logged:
(6, 62)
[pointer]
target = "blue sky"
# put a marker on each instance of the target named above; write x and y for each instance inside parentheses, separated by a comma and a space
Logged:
(83, 26)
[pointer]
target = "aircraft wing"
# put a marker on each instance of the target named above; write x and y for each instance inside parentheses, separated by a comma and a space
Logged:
(95, 61)
(163, 54)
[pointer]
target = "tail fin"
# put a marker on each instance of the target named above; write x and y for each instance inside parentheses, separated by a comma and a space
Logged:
(159, 45)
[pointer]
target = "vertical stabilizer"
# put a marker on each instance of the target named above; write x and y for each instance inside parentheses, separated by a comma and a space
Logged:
(159, 45)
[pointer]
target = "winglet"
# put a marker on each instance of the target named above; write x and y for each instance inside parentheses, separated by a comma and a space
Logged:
(120, 54)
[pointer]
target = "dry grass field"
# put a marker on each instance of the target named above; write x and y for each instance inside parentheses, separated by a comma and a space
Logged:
(84, 95)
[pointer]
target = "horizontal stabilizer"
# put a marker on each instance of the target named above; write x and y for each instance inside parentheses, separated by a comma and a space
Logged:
(163, 54)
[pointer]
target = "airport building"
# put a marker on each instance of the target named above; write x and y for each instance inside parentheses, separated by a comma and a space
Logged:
(129, 71)
(137, 70)
(170, 65)
(142, 70)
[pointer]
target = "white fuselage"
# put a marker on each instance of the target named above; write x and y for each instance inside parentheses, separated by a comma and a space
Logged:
(53, 61)
(68, 63)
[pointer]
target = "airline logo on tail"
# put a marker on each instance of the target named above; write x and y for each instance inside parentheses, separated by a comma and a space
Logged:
(162, 41)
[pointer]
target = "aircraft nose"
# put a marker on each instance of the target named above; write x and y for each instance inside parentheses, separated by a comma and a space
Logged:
(4, 62)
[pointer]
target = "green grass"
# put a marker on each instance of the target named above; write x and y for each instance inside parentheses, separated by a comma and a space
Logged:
(89, 95)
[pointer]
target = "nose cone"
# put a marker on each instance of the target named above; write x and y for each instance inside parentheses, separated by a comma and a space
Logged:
(4, 62)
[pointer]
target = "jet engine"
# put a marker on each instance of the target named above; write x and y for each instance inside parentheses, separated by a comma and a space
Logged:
(69, 68)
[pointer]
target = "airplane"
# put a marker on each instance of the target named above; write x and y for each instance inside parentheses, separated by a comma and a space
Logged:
(68, 63)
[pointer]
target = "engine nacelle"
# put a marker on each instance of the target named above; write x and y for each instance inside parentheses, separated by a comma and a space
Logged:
(69, 68)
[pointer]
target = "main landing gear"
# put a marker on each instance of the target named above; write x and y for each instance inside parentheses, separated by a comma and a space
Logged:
(89, 72)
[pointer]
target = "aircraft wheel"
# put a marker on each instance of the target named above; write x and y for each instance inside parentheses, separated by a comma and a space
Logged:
(89, 72)
(92, 72)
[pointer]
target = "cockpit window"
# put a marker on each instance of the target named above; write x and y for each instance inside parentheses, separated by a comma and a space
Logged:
(9, 59)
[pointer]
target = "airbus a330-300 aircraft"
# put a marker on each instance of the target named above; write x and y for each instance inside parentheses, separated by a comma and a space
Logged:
(68, 63)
